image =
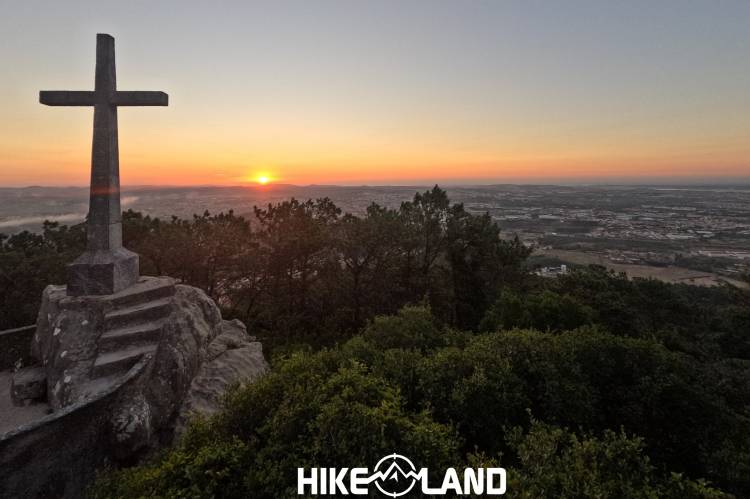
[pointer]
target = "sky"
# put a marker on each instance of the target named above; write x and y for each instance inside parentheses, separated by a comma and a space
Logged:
(385, 92)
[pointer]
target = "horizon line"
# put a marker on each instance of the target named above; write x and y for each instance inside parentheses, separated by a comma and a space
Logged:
(734, 181)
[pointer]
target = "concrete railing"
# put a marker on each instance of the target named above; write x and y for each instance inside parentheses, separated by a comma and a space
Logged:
(57, 456)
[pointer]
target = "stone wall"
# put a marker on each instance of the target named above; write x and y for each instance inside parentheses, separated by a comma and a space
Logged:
(57, 456)
(15, 345)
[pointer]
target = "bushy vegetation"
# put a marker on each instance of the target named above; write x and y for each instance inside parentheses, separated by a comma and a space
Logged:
(621, 416)
(419, 329)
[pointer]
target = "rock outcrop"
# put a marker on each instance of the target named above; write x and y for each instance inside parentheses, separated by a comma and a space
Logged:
(194, 352)
(85, 345)
(232, 359)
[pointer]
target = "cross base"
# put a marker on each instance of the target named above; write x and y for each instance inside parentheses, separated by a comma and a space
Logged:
(102, 272)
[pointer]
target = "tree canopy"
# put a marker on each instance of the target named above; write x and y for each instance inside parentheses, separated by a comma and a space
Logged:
(421, 329)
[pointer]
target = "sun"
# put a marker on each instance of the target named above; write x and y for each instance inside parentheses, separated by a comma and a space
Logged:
(263, 178)
(260, 177)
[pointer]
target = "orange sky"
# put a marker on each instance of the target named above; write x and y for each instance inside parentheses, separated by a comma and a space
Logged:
(51, 146)
(385, 93)
(156, 150)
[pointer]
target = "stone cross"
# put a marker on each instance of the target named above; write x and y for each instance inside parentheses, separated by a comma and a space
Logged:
(106, 267)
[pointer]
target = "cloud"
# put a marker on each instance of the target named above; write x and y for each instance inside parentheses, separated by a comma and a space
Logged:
(18, 221)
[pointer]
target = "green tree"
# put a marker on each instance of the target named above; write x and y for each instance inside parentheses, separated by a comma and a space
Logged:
(553, 462)
(368, 248)
(543, 311)
(28, 263)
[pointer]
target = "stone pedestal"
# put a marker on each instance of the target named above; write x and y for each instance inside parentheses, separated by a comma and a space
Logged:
(102, 272)
(83, 342)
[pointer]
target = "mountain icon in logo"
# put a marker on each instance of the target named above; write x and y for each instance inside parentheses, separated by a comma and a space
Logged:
(395, 475)
(395, 471)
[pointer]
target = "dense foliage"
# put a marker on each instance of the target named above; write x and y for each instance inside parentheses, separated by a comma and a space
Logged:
(620, 415)
(29, 262)
(420, 329)
(297, 272)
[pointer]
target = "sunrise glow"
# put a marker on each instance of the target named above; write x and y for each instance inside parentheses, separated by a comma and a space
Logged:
(493, 92)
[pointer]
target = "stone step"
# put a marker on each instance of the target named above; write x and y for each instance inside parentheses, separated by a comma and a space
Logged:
(140, 313)
(146, 289)
(119, 361)
(123, 337)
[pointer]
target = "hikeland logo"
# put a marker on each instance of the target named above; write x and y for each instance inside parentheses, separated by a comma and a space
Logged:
(395, 476)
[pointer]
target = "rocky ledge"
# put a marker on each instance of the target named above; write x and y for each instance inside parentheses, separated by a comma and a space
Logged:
(84, 346)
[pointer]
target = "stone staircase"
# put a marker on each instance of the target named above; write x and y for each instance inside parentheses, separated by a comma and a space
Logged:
(134, 325)
(132, 328)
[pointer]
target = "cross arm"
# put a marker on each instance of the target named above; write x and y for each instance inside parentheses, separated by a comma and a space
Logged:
(66, 98)
(140, 98)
